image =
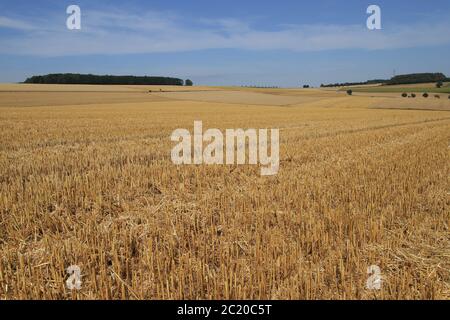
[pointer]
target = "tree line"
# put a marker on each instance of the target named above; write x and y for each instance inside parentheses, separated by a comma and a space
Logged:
(400, 79)
(417, 78)
(74, 78)
(348, 84)
(260, 87)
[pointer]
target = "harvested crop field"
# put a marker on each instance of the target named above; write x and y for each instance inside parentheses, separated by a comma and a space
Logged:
(417, 88)
(86, 179)
(240, 97)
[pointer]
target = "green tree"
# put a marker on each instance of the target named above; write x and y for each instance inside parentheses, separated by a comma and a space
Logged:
(417, 78)
(188, 83)
(70, 78)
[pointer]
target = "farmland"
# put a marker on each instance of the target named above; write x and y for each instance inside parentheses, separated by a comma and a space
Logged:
(417, 88)
(86, 179)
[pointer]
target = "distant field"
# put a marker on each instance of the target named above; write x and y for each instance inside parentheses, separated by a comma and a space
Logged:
(86, 179)
(32, 95)
(417, 88)
(27, 87)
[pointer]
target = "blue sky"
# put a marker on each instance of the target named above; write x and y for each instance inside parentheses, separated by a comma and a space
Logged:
(282, 43)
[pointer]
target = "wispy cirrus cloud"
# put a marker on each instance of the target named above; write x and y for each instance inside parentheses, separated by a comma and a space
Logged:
(114, 32)
(9, 23)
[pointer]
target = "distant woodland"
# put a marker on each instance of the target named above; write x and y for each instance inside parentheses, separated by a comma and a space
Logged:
(401, 79)
(73, 78)
(418, 78)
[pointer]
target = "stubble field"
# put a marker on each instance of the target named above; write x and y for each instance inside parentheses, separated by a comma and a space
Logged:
(86, 179)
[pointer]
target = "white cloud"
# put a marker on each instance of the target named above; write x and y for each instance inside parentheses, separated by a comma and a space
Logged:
(9, 23)
(149, 32)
